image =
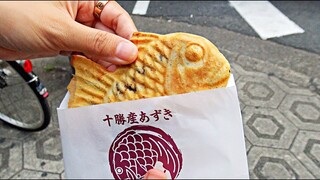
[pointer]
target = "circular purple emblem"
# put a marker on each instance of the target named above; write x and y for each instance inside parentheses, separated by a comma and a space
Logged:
(139, 148)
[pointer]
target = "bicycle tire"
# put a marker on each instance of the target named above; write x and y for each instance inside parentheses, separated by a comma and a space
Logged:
(45, 117)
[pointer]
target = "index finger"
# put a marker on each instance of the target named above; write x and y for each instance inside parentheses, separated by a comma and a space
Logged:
(116, 18)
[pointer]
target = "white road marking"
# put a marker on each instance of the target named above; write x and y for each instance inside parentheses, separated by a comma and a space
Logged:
(266, 19)
(141, 7)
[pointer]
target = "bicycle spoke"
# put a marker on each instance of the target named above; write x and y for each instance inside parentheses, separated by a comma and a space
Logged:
(20, 104)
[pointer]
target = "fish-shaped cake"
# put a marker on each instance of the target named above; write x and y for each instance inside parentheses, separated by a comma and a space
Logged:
(166, 65)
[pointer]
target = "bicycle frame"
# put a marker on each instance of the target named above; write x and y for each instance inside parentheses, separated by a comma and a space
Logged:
(42, 90)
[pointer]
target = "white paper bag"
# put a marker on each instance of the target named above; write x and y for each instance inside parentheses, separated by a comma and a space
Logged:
(194, 135)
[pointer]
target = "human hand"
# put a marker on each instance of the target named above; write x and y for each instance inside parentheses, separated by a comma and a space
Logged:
(155, 174)
(49, 28)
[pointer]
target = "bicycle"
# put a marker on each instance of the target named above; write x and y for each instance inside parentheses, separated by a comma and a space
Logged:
(23, 101)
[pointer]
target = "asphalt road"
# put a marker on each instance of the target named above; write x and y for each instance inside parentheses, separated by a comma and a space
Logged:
(305, 14)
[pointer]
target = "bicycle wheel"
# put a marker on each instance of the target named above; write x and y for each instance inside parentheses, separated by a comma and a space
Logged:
(21, 105)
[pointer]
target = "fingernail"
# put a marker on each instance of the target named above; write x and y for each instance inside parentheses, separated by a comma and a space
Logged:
(112, 68)
(126, 51)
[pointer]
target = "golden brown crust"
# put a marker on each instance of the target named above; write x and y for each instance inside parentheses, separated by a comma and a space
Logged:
(166, 65)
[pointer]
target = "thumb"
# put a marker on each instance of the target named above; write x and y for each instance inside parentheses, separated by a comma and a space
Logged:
(101, 46)
(155, 174)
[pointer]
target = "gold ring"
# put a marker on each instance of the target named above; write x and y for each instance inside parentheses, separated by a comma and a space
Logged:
(99, 7)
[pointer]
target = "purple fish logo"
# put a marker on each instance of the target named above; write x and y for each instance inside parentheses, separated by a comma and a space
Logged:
(139, 148)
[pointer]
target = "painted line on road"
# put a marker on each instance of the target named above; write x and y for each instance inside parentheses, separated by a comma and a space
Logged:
(266, 19)
(141, 7)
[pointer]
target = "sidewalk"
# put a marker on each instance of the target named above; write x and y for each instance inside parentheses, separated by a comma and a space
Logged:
(279, 91)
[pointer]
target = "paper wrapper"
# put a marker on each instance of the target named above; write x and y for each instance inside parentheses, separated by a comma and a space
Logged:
(194, 135)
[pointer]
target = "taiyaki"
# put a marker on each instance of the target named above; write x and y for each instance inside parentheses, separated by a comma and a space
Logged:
(168, 64)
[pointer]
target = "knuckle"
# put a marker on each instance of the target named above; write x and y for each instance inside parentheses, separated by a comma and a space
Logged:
(100, 43)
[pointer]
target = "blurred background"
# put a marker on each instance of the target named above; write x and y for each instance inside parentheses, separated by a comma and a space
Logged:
(224, 15)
